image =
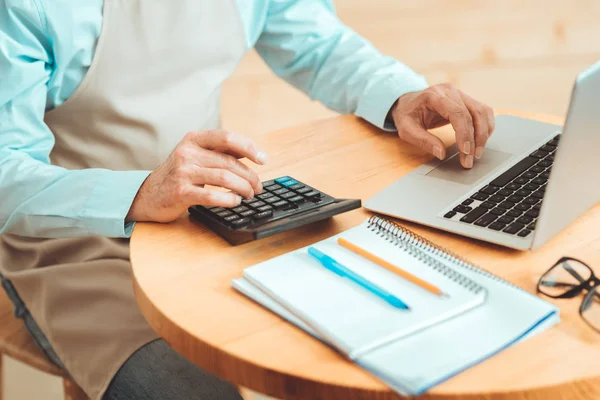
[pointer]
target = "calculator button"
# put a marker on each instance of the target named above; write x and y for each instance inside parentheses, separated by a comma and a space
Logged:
(258, 204)
(264, 208)
(297, 199)
(231, 218)
(304, 189)
(287, 195)
(273, 199)
(283, 179)
(264, 196)
(217, 210)
(313, 194)
(289, 183)
(224, 214)
(264, 214)
(281, 205)
(268, 183)
(281, 191)
(240, 209)
(249, 202)
(272, 187)
(248, 213)
(239, 223)
(297, 187)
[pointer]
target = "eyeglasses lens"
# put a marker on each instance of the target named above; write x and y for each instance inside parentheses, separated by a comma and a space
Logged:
(564, 277)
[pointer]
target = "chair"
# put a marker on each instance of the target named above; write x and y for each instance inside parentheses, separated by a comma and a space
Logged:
(16, 342)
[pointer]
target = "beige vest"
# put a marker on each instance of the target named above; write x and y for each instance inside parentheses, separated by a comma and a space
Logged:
(157, 74)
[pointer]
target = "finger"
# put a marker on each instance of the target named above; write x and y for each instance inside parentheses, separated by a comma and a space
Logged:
(212, 159)
(479, 118)
(222, 178)
(413, 133)
(481, 122)
(491, 120)
(459, 117)
(230, 143)
(466, 160)
(195, 195)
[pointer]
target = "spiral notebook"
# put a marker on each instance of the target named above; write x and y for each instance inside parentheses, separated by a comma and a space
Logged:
(412, 350)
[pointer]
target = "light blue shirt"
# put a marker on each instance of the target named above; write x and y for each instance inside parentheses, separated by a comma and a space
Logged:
(47, 46)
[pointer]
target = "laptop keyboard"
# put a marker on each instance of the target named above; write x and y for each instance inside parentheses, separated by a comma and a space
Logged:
(511, 203)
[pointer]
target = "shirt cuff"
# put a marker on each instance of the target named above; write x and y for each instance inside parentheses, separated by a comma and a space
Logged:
(110, 201)
(381, 96)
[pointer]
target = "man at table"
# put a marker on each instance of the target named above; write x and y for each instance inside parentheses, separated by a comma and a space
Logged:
(109, 114)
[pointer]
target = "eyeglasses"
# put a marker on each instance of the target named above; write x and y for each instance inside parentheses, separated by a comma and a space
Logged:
(568, 278)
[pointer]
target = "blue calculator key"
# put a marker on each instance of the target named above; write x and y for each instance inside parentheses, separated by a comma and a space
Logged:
(289, 183)
(283, 179)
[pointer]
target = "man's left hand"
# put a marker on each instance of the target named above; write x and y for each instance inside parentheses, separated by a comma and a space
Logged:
(414, 113)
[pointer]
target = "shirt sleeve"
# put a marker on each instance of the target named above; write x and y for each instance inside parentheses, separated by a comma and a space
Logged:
(38, 199)
(305, 43)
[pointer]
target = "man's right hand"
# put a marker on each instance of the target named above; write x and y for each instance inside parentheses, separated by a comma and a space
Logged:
(201, 158)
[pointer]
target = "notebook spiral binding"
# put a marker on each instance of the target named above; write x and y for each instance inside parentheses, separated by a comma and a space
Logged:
(415, 245)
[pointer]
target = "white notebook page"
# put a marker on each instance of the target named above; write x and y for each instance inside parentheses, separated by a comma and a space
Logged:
(347, 315)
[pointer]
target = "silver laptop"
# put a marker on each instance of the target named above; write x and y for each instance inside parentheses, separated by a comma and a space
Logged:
(533, 180)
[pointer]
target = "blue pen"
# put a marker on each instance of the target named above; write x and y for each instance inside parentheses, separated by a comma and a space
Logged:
(334, 266)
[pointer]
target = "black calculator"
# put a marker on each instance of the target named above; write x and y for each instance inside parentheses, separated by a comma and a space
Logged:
(284, 204)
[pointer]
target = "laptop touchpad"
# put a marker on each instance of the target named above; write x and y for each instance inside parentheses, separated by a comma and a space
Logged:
(451, 170)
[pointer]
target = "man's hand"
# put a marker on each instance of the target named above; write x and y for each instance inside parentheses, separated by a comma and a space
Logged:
(201, 158)
(437, 106)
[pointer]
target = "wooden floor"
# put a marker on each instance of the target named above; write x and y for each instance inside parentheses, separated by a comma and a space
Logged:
(512, 54)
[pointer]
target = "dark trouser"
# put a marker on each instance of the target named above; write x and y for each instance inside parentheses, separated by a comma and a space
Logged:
(153, 372)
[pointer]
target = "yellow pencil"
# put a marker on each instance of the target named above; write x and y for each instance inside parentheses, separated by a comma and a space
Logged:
(391, 267)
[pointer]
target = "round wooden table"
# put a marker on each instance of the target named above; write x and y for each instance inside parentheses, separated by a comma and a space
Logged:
(182, 274)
